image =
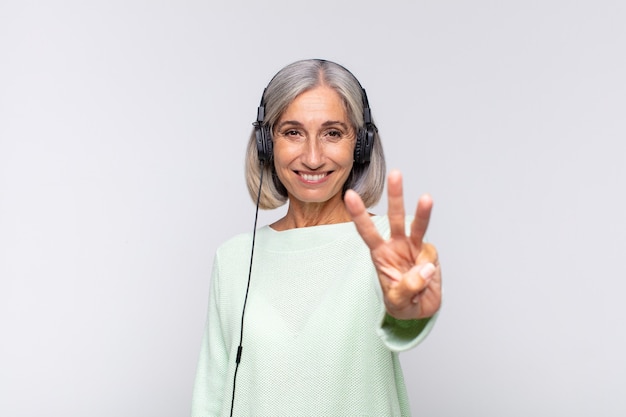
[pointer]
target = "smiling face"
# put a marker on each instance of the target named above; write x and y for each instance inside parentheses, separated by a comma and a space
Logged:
(314, 147)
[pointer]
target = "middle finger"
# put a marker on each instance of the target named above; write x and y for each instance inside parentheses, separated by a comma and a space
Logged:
(396, 205)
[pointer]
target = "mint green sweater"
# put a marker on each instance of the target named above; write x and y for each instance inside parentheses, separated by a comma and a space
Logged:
(317, 341)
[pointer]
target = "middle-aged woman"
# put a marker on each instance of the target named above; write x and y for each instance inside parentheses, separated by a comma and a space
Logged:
(332, 292)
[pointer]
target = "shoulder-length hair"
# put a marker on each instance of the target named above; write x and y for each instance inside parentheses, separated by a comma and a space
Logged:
(367, 179)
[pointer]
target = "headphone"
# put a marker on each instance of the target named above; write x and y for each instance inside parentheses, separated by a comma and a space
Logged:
(364, 137)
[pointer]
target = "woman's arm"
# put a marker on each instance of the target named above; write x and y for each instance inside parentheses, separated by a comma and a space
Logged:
(208, 391)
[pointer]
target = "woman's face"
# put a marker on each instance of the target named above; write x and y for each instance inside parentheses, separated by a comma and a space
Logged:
(314, 146)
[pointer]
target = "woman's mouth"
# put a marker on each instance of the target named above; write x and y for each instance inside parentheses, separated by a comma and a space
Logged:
(313, 177)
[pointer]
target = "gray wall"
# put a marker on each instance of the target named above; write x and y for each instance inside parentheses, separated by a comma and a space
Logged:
(122, 132)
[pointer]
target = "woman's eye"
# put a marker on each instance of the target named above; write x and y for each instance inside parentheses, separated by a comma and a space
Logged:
(334, 134)
(293, 135)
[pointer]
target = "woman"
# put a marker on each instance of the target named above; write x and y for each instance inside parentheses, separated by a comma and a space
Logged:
(334, 292)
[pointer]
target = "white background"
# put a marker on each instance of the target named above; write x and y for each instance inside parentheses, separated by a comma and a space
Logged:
(122, 132)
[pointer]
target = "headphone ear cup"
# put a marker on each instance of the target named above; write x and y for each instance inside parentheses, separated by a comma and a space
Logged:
(364, 144)
(263, 142)
(358, 146)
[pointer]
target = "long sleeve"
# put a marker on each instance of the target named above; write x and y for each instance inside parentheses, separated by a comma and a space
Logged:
(208, 392)
(402, 335)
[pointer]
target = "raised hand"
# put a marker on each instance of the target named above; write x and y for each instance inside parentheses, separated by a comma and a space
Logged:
(408, 268)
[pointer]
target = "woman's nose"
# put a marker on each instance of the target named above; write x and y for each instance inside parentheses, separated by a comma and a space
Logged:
(313, 153)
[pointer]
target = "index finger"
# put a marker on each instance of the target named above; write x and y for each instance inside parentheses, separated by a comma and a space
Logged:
(362, 220)
(421, 220)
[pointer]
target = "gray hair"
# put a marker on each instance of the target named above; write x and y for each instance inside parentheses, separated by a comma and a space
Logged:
(367, 179)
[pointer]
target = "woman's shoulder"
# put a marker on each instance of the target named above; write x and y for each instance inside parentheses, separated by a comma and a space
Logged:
(236, 244)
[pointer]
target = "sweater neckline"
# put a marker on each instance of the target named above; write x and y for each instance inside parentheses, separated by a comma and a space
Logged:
(308, 238)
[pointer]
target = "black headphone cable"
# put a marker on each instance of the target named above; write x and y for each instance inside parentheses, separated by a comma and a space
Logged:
(243, 312)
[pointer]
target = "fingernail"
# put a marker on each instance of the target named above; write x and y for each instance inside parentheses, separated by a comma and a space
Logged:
(428, 271)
